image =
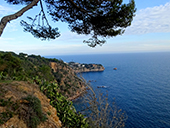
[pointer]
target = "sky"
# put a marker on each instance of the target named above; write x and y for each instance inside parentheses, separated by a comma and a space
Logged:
(149, 32)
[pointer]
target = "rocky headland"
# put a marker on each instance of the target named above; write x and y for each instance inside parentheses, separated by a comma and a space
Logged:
(78, 67)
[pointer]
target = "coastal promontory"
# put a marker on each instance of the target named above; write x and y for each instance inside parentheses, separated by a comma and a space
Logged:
(78, 67)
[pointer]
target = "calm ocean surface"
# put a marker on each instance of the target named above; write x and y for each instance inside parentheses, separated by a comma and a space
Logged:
(140, 85)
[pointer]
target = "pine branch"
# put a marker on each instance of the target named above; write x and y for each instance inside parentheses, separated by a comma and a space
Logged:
(9, 18)
(79, 8)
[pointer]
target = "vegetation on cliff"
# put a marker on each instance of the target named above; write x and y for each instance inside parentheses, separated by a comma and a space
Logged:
(55, 79)
(32, 67)
(23, 105)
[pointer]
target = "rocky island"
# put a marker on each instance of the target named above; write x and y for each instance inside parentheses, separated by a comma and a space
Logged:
(78, 67)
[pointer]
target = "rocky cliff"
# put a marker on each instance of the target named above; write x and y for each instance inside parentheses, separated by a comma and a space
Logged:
(70, 85)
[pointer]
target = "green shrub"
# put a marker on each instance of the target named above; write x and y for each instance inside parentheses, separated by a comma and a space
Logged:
(65, 109)
(11, 107)
(5, 116)
(34, 114)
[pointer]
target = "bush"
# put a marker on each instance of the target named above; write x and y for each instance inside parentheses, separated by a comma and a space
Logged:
(5, 116)
(65, 109)
(10, 106)
(34, 115)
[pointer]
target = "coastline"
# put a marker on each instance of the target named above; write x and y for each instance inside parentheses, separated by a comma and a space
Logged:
(78, 94)
(81, 71)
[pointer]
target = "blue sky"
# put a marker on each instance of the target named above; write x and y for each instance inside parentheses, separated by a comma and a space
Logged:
(149, 32)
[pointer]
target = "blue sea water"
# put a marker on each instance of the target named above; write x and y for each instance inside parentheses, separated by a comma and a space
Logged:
(140, 85)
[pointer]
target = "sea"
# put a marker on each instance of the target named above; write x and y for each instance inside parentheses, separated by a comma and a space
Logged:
(140, 86)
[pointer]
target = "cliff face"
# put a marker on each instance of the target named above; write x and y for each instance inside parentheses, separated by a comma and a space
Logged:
(12, 94)
(77, 67)
(70, 85)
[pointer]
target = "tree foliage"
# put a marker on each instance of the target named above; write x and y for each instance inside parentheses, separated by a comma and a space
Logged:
(99, 18)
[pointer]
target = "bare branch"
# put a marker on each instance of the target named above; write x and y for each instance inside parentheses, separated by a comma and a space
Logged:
(43, 17)
(9, 18)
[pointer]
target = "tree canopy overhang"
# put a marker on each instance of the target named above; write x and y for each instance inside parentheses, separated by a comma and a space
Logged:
(98, 18)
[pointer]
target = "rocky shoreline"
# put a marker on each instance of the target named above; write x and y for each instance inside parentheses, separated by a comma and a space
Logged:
(78, 94)
(79, 68)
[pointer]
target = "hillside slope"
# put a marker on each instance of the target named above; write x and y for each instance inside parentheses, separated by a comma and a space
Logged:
(28, 67)
(15, 109)
(55, 79)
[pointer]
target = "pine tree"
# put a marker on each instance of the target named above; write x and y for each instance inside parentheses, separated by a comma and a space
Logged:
(99, 18)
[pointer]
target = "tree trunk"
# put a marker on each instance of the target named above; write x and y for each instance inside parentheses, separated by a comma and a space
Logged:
(8, 18)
